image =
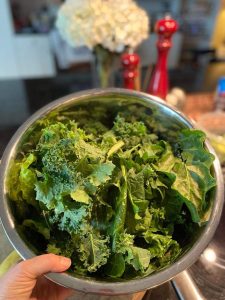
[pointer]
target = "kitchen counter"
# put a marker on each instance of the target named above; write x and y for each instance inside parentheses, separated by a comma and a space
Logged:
(198, 104)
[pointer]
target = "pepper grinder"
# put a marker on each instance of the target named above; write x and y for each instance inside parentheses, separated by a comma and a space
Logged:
(159, 84)
(131, 75)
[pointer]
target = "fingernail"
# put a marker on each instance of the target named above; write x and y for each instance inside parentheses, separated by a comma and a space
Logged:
(65, 261)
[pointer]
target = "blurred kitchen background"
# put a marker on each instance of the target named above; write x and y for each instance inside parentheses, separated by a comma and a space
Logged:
(37, 66)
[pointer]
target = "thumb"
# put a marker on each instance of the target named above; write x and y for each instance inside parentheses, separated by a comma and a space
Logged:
(40, 265)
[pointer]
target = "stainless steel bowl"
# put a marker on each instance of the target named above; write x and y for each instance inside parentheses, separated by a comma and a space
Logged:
(166, 115)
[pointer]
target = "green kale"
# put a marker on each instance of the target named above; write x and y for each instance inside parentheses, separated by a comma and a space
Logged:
(105, 189)
(93, 250)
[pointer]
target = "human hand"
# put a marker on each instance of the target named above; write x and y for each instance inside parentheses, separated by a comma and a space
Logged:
(25, 281)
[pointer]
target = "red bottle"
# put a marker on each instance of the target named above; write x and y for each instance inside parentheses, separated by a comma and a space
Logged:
(131, 78)
(159, 81)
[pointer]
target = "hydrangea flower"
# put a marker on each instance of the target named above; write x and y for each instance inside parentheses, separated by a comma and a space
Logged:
(113, 24)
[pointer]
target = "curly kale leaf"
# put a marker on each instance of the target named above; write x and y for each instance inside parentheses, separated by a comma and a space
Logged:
(162, 247)
(127, 129)
(93, 250)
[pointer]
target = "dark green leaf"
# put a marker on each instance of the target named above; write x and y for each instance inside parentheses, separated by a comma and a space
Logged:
(116, 266)
(39, 227)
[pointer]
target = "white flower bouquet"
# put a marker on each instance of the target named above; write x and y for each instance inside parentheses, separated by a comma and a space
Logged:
(107, 26)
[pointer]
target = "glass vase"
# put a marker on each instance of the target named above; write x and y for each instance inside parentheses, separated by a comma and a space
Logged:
(106, 64)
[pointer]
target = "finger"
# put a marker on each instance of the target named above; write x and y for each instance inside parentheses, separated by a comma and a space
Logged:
(40, 265)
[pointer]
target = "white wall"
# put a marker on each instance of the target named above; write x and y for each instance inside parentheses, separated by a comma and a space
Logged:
(34, 56)
(8, 65)
(23, 56)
